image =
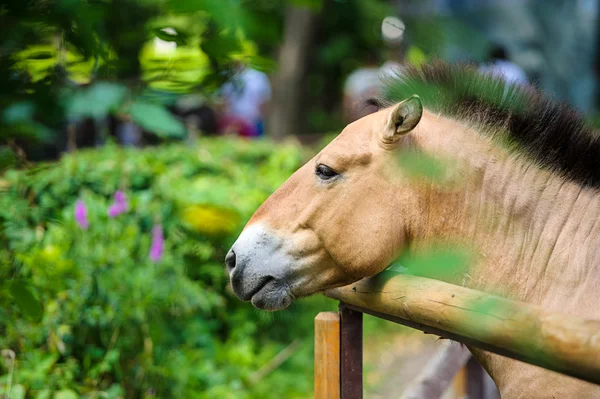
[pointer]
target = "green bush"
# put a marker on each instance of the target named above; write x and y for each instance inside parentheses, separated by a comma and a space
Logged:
(114, 323)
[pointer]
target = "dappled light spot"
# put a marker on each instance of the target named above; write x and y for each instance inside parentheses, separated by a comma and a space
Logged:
(210, 220)
(392, 29)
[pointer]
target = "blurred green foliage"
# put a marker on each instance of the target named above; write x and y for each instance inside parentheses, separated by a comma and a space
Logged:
(139, 51)
(421, 166)
(61, 60)
(85, 312)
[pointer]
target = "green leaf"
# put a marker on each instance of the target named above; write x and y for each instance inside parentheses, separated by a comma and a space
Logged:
(221, 45)
(262, 63)
(26, 301)
(19, 112)
(66, 394)
(417, 164)
(7, 157)
(17, 392)
(97, 101)
(43, 394)
(157, 119)
(440, 262)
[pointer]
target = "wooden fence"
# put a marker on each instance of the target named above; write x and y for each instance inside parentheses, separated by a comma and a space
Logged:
(522, 331)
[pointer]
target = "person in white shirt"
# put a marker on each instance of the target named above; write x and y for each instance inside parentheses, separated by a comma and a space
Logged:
(246, 97)
(500, 65)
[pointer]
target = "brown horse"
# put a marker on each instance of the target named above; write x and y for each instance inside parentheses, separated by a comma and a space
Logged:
(517, 180)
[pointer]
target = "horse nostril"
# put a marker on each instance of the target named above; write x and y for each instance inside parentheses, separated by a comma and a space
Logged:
(230, 260)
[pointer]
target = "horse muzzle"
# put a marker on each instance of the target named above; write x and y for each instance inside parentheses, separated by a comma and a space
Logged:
(257, 270)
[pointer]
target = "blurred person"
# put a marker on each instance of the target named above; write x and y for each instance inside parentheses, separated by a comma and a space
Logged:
(129, 134)
(368, 81)
(246, 97)
(201, 120)
(363, 83)
(399, 52)
(499, 64)
(198, 114)
(394, 64)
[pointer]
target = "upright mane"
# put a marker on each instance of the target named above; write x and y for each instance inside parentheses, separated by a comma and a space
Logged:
(549, 132)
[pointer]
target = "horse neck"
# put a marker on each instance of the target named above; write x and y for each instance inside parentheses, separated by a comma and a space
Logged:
(536, 236)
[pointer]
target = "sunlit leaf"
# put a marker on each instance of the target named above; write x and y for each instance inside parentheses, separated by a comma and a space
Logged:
(44, 394)
(37, 60)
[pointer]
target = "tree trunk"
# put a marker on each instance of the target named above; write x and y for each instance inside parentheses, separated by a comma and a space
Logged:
(285, 108)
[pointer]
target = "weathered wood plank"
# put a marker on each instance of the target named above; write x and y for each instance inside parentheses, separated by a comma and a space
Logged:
(327, 355)
(351, 353)
(552, 340)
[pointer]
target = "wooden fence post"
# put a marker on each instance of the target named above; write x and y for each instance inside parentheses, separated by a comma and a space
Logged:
(351, 353)
(327, 355)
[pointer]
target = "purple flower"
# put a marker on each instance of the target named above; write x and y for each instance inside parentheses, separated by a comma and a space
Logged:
(114, 210)
(81, 214)
(120, 197)
(119, 205)
(158, 243)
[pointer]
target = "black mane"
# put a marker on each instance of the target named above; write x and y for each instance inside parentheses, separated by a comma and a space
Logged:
(552, 133)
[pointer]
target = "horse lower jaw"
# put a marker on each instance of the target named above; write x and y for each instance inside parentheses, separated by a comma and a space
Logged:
(272, 297)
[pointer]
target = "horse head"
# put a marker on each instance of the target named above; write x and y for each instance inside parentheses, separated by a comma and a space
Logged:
(337, 219)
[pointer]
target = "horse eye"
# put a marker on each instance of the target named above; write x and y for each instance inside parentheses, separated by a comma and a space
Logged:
(325, 172)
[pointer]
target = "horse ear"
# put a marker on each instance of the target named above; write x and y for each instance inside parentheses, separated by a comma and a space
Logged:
(403, 118)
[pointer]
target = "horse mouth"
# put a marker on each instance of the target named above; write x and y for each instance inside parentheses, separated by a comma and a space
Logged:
(262, 284)
(265, 293)
(271, 295)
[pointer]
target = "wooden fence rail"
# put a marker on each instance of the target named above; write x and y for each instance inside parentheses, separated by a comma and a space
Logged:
(522, 331)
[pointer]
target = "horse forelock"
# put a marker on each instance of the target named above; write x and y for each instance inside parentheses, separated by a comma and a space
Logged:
(549, 132)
